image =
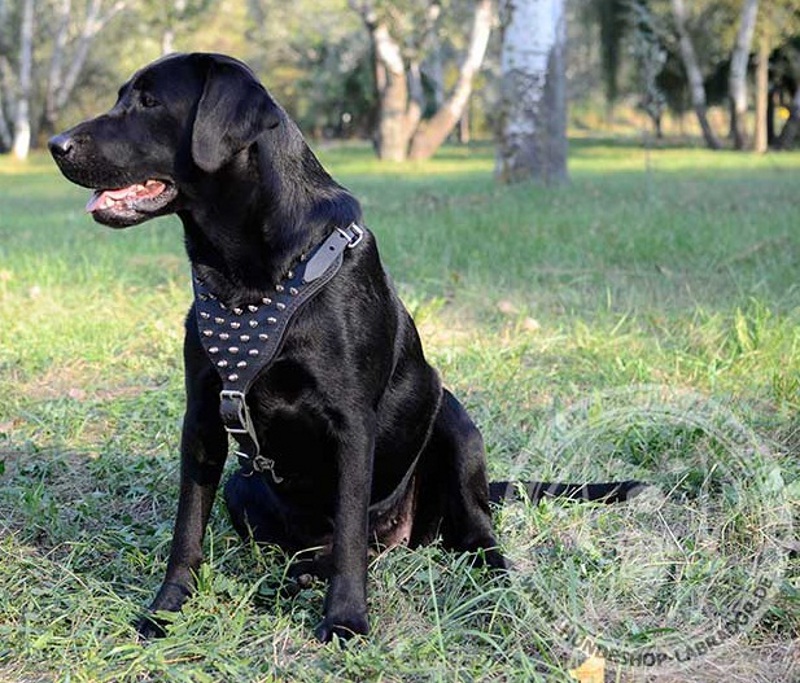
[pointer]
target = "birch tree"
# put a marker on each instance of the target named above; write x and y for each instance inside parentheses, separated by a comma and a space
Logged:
(73, 38)
(737, 80)
(44, 49)
(22, 117)
(533, 141)
(693, 74)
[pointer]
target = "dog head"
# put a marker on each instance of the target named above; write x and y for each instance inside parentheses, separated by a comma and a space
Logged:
(183, 115)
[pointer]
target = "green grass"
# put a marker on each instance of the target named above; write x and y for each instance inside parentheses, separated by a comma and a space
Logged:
(665, 267)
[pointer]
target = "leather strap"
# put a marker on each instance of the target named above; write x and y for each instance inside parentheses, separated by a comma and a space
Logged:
(242, 341)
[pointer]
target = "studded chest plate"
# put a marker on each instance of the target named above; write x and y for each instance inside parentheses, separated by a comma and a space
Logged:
(242, 341)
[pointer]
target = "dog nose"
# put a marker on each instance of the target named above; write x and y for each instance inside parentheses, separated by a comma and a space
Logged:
(60, 145)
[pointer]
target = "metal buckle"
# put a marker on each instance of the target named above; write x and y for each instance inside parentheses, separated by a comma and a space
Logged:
(243, 415)
(359, 235)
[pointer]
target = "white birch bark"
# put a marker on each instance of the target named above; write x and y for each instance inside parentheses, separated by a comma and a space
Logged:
(693, 73)
(69, 57)
(532, 141)
(737, 79)
(22, 120)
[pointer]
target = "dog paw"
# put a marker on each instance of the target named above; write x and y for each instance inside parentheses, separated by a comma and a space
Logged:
(149, 628)
(343, 627)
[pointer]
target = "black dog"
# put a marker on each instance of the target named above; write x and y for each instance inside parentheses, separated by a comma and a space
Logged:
(296, 344)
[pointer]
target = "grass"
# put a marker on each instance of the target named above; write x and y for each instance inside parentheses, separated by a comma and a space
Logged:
(671, 267)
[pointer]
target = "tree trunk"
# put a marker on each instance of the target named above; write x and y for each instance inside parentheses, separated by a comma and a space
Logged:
(22, 121)
(54, 77)
(66, 65)
(393, 129)
(693, 73)
(737, 80)
(401, 132)
(430, 136)
(761, 142)
(533, 141)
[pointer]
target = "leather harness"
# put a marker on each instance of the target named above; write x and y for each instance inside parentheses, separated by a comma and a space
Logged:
(242, 341)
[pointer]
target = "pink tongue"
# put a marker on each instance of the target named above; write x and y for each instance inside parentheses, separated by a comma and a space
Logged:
(101, 198)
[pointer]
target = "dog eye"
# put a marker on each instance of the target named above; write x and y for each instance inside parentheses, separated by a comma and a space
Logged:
(147, 100)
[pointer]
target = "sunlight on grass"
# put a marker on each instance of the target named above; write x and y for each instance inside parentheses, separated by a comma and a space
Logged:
(674, 267)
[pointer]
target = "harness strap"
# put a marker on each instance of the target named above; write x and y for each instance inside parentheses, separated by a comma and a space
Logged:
(242, 341)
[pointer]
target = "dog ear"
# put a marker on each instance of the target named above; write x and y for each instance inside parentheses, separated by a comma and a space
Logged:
(233, 111)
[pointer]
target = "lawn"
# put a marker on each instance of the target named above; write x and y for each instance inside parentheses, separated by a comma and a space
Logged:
(643, 321)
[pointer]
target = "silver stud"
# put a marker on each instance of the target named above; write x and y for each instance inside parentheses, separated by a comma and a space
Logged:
(222, 364)
(233, 377)
(208, 333)
(263, 337)
(272, 320)
(237, 311)
(204, 315)
(279, 288)
(280, 306)
(245, 338)
(224, 336)
(266, 301)
(293, 291)
(253, 323)
(290, 274)
(204, 297)
(233, 349)
(252, 352)
(236, 325)
(252, 308)
(214, 349)
(241, 364)
(222, 306)
(212, 297)
(219, 320)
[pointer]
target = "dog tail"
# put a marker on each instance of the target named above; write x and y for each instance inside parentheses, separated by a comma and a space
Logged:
(534, 491)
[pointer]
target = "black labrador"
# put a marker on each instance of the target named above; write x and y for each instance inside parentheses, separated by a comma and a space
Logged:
(346, 435)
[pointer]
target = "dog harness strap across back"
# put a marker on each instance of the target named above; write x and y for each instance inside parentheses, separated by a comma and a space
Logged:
(242, 341)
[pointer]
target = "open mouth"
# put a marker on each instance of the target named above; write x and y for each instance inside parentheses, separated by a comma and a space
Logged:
(133, 204)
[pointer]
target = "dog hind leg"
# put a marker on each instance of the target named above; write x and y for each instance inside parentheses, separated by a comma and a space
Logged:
(453, 499)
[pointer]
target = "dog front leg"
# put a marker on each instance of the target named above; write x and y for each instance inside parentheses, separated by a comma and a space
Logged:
(203, 452)
(345, 611)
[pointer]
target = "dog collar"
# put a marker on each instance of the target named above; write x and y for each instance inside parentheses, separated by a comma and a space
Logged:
(242, 341)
